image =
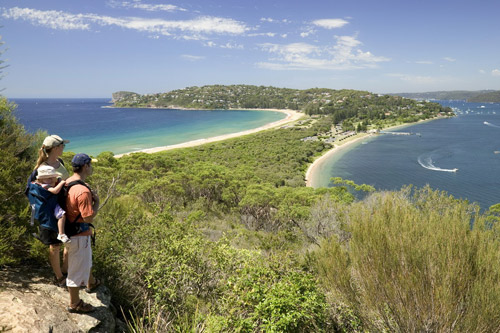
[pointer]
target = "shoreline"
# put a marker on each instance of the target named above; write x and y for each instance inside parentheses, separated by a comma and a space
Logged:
(318, 162)
(292, 115)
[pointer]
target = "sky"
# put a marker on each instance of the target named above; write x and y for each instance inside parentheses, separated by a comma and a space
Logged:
(92, 48)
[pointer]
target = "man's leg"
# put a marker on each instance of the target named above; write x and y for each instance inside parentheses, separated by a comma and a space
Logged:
(74, 296)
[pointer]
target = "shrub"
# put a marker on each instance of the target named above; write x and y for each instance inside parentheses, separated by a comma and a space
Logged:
(17, 151)
(268, 297)
(421, 262)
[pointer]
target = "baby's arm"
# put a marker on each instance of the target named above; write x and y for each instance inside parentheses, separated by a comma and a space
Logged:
(56, 189)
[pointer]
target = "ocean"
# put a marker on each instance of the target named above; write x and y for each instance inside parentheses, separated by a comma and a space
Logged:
(459, 155)
(92, 127)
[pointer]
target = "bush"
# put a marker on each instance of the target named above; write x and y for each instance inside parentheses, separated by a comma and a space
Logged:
(268, 297)
(18, 152)
(421, 262)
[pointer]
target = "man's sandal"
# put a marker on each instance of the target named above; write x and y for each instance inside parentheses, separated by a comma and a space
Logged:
(81, 307)
(93, 286)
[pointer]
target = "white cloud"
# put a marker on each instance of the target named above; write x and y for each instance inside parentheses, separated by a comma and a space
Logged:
(495, 72)
(330, 23)
(51, 18)
(271, 20)
(232, 46)
(343, 55)
(147, 7)
(189, 29)
(424, 62)
(449, 59)
(266, 34)
(137, 4)
(192, 57)
(482, 71)
(307, 33)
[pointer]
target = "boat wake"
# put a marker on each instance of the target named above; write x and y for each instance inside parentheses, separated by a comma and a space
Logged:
(491, 125)
(426, 162)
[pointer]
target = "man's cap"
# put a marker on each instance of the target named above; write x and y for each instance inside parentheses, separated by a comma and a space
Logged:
(46, 171)
(80, 160)
(53, 141)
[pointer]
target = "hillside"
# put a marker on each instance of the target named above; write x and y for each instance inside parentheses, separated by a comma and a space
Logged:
(224, 237)
(489, 97)
(235, 96)
(443, 95)
(341, 104)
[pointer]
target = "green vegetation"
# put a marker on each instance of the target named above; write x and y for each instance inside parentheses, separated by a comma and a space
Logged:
(225, 237)
(488, 97)
(445, 95)
(412, 262)
(18, 151)
(341, 104)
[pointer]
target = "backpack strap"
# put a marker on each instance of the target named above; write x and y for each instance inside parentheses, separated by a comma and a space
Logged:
(73, 183)
(80, 182)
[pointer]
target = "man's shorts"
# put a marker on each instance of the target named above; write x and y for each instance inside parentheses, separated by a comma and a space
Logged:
(48, 237)
(79, 261)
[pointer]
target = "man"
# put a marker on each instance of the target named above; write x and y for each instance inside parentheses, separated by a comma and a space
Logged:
(81, 207)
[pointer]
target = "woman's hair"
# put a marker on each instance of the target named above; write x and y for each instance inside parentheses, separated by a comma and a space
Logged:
(43, 155)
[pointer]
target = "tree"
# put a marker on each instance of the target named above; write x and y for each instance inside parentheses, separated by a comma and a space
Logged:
(18, 150)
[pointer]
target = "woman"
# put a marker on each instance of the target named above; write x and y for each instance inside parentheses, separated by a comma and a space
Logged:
(50, 154)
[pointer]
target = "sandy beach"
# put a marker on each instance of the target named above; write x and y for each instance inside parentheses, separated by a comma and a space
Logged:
(291, 116)
(339, 147)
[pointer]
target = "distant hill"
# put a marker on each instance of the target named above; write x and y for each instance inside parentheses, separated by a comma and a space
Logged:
(116, 96)
(340, 104)
(489, 97)
(447, 95)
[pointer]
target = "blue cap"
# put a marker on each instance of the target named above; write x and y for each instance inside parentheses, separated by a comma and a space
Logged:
(80, 160)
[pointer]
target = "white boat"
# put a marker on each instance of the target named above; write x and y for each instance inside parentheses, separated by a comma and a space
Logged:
(454, 170)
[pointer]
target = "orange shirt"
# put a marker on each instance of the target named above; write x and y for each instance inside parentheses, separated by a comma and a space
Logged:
(79, 201)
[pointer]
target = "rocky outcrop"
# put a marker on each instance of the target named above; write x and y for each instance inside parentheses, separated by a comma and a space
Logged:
(30, 302)
(116, 96)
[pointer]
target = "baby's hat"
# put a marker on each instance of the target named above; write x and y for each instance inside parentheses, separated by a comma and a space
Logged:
(46, 171)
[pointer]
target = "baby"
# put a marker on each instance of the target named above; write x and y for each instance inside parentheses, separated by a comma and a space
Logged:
(47, 178)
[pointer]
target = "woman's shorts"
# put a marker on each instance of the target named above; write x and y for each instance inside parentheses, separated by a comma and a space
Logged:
(48, 237)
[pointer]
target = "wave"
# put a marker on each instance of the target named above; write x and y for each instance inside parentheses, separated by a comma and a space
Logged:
(490, 124)
(426, 162)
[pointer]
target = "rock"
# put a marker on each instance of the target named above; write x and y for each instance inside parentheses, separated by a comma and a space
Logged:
(116, 96)
(30, 302)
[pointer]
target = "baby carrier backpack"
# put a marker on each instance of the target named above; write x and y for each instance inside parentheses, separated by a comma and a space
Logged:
(42, 204)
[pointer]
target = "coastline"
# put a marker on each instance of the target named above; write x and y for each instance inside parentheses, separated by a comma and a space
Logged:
(292, 115)
(318, 162)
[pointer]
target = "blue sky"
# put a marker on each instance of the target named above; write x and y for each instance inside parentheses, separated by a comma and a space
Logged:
(92, 48)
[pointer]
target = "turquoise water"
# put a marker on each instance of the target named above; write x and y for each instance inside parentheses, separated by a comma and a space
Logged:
(469, 142)
(93, 128)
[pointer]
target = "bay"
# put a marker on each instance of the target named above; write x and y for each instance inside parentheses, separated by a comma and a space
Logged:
(93, 127)
(469, 142)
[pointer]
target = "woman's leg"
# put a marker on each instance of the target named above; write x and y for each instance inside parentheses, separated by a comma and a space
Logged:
(65, 261)
(55, 261)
